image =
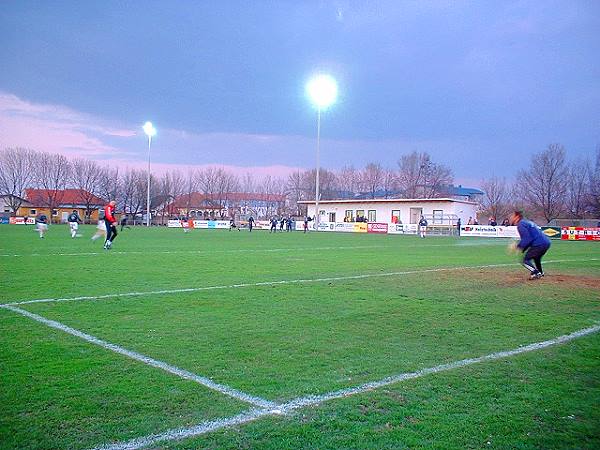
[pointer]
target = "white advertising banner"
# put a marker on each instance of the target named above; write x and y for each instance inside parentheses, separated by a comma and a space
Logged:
(488, 231)
(398, 228)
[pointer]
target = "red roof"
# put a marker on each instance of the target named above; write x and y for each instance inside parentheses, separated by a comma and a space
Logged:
(65, 197)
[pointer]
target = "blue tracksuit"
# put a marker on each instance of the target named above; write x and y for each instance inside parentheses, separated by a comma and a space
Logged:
(531, 235)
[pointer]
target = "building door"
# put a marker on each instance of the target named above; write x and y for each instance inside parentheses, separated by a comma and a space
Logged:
(65, 217)
(415, 214)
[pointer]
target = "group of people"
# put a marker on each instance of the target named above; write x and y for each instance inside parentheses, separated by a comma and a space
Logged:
(284, 223)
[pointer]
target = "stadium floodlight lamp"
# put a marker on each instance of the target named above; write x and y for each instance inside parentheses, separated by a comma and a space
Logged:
(150, 132)
(149, 129)
(322, 90)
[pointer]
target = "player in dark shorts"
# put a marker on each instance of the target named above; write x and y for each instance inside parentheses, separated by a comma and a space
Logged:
(534, 243)
(111, 224)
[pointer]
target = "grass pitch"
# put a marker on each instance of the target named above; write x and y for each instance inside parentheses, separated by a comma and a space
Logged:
(286, 316)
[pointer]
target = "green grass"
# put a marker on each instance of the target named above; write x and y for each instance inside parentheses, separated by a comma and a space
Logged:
(282, 341)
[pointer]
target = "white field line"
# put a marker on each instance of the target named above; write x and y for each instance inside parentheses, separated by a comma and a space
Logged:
(250, 250)
(278, 282)
(302, 402)
(226, 390)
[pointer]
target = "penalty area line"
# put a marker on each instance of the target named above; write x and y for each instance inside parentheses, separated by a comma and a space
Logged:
(275, 283)
(181, 373)
(315, 400)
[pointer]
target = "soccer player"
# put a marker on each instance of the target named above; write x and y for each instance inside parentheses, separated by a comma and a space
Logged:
(250, 223)
(100, 230)
(42, 225)
(534, 243)
(422, 227)
(111, 224)
(74, 221)
(232, 225)
(273, 225)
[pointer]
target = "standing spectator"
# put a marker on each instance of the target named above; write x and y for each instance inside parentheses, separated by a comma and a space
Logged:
(74, 221)
(492, 222)
(534, 243)
(458, 226)
(422, 227)
(505, 222)
(111, 224)
(305, 224)
(470, 222)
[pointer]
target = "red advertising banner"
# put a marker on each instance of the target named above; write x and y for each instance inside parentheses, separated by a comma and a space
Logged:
(375, 227)
(580, 234)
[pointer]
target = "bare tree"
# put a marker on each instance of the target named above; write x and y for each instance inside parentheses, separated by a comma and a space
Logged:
(296, 190)
(85, 176)
(390, 183)
(16, 175)
(496, 197)
(110, 186)
(419, 176)
(248, 183)
(544, 184)
(577, 197)
(372, 178)
(52, 173)
(594, 186)
(348, 180)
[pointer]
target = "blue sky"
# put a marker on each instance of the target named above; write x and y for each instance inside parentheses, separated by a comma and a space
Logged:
(481, 86)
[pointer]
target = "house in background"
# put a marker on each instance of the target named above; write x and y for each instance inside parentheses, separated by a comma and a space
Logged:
(58, 204)
(10, 204)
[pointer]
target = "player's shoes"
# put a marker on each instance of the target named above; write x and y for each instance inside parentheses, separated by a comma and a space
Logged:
(535, 276)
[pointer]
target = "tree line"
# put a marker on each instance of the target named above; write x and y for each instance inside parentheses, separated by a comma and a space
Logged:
(550, 187)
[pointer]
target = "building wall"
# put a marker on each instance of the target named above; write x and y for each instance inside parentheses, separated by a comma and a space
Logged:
(383, 210)
(62, 213)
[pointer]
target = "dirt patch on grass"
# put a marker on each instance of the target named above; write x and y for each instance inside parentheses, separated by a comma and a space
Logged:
(506, 279)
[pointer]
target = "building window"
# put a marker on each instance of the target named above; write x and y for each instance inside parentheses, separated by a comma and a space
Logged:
(372, 215)
(331, 217)
(396, 216)
(438, 216)
(349, 215)
(33, 212)
(360, 213)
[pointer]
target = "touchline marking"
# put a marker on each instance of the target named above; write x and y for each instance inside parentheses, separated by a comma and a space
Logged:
(315, 400)
(273, 283)
(250, 250)
(207, 382)
(201, 251)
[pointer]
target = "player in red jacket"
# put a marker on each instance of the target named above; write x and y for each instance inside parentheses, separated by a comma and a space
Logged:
(111, 224)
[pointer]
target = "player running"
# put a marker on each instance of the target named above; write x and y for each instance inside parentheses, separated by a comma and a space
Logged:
(111, 224)
(533, 242)
(74, 221)
(42, 225)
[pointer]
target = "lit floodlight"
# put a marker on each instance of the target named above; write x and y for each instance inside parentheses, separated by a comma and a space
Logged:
(322, 90)
(149, 129)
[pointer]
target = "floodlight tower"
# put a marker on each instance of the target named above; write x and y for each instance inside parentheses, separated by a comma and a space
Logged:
(322, 90)
(150, 132)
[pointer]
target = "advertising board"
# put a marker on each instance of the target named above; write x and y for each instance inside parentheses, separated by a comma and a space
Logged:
(580, 234)
(552, 232)
(21, 221)
(377, 227)
(488, 231)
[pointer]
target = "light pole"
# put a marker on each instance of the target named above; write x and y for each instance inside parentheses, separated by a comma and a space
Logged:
(322, 90)
(150, 132)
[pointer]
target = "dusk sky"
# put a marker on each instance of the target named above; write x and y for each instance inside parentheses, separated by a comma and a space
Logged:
(480, 85)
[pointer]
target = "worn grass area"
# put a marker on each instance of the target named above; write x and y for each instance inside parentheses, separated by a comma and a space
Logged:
(333, 311)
